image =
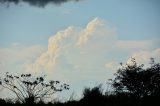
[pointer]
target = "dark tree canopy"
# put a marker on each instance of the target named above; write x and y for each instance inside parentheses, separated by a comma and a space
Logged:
(29, 88)
(136, 81)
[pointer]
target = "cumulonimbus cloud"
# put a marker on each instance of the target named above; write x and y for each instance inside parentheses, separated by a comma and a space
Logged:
(79, 54)
(38, 3)
(87, 49)
(66, 47)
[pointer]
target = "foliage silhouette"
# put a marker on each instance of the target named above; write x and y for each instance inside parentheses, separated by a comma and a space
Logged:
(30, 89)
(92, 96)
(133, 86)
(137, 81)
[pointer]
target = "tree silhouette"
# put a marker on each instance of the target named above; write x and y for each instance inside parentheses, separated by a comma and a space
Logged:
(92, 93)
(93, 96)
(29, 88)
(136, 81)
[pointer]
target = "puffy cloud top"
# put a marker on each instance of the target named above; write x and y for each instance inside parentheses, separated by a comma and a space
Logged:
(89, 49)
(68, 45)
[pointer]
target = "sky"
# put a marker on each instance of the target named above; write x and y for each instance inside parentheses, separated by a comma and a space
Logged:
(80, 42)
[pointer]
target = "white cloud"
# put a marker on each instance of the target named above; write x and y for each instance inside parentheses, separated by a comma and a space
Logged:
(15, 44)
(67, 12)
(143, 57)
(140, 44)
(76, 47)
(96, 27)
(14, 56)
(112, 66)
(85, 50)
(79, 54)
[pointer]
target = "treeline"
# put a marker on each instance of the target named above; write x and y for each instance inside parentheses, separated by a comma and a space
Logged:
(133, 85)
(95, 97)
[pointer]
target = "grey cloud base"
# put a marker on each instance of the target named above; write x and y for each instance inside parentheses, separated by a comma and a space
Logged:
(37, 3)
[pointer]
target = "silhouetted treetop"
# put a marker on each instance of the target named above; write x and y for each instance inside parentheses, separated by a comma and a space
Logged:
(28, 88)
(134, 80)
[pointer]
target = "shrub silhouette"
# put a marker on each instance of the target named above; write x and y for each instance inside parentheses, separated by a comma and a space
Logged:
(95, 92)
(93, 96)
(30, 89)
(137, 81)
(2, 102)
(29, 100)
(133, 86)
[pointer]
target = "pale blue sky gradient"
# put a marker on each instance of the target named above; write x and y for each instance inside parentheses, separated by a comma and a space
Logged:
(28, 25)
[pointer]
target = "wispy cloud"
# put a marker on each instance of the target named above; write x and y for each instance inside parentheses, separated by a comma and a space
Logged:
(112, 65)
(13, 57)
(144, 56)
(134, 44)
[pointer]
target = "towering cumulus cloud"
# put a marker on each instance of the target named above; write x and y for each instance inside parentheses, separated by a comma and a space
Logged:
(88, 51)
(93, 52)
(76, 48)
(38, 3)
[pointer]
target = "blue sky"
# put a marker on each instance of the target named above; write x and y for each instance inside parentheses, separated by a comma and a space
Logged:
(134, 19)
(81, 43)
